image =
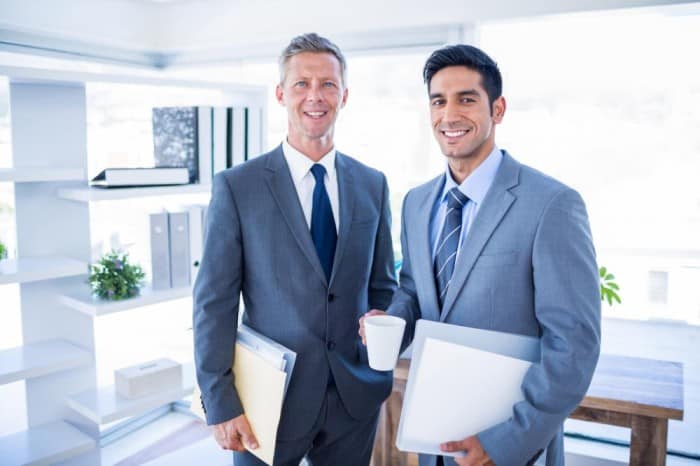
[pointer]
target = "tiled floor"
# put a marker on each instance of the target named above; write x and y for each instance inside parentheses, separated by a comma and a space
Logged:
(174, 440)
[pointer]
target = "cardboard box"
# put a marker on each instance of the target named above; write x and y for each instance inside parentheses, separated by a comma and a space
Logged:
(148, 378)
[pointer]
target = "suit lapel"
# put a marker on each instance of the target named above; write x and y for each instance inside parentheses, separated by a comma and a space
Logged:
(346, 202)
(497, 202)
(279, 180)
(423, 254)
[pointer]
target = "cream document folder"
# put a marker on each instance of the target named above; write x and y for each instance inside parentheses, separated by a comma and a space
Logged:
(260, 387)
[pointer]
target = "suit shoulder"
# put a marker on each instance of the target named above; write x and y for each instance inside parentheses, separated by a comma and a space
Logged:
(532, 178)
(420, 191)
(247, 169)
(365, 171)
(545, 190)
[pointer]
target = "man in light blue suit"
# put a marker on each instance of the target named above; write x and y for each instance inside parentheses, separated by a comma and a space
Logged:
(303, 233)
(494, 244)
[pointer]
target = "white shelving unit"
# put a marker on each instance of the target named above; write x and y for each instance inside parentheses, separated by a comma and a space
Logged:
(80, 298)
(38, 359)
(39, 174)
(103, 405)
(31, 269)
(89, 194)
(64, 406)
(45, 444)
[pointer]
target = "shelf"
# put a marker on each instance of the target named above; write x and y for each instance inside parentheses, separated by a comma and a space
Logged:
(62, 77)
(37, 359)
(31, 269)
(36, 174)
(88, 194)
(80, 298)
(104, 405)
(45, 444)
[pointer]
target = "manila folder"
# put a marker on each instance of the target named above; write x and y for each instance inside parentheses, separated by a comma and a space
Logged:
(260, 387)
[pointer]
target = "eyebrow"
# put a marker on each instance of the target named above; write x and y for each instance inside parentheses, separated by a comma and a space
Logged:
(467, 92)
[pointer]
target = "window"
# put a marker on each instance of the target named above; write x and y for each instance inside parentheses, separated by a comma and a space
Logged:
(607, 102)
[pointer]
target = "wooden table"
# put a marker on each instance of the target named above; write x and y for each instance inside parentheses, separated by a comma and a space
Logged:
(642, 394)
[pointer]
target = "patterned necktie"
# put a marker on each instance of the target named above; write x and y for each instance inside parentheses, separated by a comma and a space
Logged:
(446, 252)
(323, 231)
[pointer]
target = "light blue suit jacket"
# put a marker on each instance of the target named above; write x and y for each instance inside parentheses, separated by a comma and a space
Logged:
(527, 267)
(258, 243)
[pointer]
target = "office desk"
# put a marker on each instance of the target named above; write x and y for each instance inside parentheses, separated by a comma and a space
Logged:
(642, 394)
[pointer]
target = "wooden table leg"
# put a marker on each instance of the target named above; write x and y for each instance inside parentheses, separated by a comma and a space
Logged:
(385, 452)
(649, 437)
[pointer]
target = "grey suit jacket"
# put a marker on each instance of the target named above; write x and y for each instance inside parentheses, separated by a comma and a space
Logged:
(258, 244)
(527, 267)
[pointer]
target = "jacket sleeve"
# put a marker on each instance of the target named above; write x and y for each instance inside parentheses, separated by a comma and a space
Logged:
(567, 308)
(382, 280)
(216, 303)
(405, 301)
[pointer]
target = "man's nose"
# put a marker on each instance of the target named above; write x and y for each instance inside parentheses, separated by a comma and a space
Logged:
(314, 93)
(450, 113)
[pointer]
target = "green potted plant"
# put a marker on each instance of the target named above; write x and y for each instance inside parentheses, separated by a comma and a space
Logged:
(608, 288)
(114, 278)
(3, 251)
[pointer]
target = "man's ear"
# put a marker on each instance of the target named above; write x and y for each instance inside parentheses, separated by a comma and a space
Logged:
(345, 98)
(498, 109)
(279, 93)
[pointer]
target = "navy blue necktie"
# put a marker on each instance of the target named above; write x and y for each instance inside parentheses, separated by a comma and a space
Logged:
(323, 231)
(446, 253)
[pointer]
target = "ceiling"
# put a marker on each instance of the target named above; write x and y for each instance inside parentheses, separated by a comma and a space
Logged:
(168, 33)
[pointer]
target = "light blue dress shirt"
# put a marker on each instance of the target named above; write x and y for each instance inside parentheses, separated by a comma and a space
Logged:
(475, 187)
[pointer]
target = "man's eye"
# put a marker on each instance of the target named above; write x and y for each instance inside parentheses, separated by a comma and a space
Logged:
(468, 100)
(437, 102)
(329, 84)
(300, 84)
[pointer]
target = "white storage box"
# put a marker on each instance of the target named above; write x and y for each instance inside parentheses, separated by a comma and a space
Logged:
(148, 378)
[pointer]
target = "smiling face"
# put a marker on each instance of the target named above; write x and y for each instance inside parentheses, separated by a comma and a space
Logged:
(313, 93)
(463, 121)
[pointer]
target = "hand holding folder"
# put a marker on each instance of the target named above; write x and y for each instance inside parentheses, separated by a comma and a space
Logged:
(262, 369)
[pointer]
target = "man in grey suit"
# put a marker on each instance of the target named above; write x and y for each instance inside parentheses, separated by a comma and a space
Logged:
(494, 244)
(303, 233)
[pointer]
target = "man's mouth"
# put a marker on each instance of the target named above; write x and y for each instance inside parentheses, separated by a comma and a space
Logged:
(454, 133)
(315, 115)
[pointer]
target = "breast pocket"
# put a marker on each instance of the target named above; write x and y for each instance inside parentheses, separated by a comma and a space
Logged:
(497, 259)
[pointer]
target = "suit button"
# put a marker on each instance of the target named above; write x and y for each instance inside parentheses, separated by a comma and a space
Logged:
(330, 345)
(331, 297)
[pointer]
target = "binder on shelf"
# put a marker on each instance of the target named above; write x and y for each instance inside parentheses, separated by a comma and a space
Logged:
(219, 139)
(132, 177)
(254, 146)
(237, 138)
(160, 251)
(262, 369)
(204, 144)
(175, 144)
(179, 249)
(196, 226)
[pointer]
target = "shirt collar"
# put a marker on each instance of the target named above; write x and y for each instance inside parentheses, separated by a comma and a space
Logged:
(477, 184)
(300, 165)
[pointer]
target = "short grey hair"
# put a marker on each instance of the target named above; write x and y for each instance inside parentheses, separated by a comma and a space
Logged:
(311, 42)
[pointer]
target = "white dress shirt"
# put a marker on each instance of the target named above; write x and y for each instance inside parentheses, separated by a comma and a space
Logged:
(304, 181)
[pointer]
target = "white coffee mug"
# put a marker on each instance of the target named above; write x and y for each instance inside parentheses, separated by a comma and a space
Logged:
(384, 335)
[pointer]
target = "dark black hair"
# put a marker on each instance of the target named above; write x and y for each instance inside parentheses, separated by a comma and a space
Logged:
(470, 57)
